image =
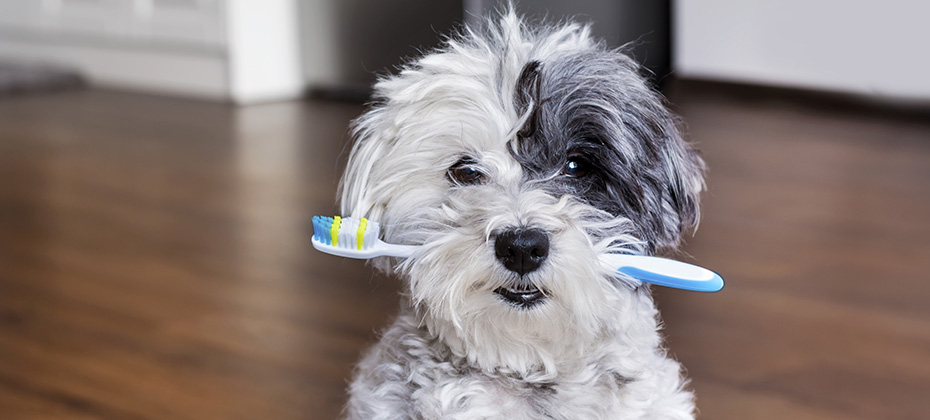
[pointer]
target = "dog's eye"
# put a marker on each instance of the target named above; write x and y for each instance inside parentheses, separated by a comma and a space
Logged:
(466, 172)
(575, 167)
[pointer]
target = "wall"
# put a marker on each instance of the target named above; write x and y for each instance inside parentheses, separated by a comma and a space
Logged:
(345, 44)
(240, 50)
(876, 48)
(641, 25)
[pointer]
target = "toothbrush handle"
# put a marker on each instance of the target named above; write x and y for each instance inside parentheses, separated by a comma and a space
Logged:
(395, 250)
(380, 249)
(665, 272)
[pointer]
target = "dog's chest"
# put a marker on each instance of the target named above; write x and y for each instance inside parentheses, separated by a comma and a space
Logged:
(477, 396)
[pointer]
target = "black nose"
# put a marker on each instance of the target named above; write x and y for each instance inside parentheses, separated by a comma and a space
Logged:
(522, 250)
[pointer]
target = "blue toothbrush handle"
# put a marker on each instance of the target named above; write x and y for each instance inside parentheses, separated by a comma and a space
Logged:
(665, 272)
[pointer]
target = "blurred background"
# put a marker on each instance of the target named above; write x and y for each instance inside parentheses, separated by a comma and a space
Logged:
(160, 161)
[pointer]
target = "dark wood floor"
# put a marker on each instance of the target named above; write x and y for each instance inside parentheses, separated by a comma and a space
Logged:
(155, 261)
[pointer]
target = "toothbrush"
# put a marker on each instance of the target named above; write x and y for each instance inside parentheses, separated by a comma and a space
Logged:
(354, 238)
(359, 238)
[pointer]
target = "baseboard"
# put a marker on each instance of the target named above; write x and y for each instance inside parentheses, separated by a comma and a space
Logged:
(820, 99)
(184, 74)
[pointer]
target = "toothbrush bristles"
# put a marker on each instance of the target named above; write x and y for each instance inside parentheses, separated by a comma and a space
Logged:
(346, 232)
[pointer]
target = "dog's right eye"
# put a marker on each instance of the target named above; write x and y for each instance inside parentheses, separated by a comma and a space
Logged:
(466, 172)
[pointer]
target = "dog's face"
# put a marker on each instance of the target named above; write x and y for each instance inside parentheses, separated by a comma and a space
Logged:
(515, 158)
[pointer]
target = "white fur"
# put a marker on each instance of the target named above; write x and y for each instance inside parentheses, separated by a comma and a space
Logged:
(592, 350)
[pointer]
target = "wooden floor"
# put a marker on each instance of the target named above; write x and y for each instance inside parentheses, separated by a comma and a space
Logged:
(155, 261)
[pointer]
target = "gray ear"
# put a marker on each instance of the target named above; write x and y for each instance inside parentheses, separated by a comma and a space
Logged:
(681, 198)
(664, 178)
(672, 171)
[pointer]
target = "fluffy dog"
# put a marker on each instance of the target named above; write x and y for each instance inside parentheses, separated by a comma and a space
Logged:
(515, 156)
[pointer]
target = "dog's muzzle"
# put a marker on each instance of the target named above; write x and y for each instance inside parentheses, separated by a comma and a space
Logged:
(522, 251)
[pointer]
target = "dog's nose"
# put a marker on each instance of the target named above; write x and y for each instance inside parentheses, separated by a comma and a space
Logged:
(522, 250)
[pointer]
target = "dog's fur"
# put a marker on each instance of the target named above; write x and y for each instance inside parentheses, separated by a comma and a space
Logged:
(511, 105)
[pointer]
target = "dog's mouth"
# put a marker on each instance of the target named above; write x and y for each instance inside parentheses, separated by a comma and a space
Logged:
(521, 296)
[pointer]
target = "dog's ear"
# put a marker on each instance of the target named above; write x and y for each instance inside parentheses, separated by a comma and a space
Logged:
(682, 189)
(357, 181)
(527, 94)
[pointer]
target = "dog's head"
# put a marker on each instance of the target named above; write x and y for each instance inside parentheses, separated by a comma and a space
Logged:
(515, 157)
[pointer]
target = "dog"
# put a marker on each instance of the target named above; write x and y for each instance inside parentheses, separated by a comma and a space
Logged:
(515, 155)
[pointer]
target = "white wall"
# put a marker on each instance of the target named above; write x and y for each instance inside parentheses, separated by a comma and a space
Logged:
(263, 50)
(877, 48)
(246, 51)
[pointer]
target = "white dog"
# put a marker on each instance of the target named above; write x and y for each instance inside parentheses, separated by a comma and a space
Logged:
(515, 156)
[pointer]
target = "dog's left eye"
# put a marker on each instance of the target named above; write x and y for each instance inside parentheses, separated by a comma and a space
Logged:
(575, 167)
(465, 172)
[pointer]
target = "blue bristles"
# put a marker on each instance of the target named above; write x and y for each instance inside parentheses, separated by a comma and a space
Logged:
(322, 228)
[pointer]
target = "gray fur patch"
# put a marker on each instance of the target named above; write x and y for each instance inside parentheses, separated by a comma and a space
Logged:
(595, 106)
